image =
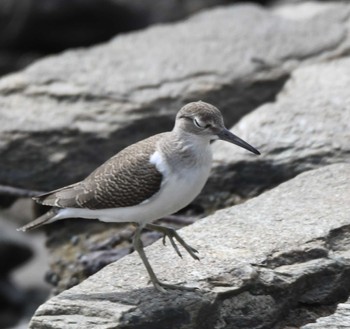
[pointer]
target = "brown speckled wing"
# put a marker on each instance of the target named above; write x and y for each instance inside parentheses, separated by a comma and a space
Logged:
(126, 179)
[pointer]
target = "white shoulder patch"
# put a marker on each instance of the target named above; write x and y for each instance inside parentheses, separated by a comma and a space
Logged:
(157, 159)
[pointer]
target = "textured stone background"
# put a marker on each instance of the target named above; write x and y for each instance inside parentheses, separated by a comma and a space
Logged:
(279, 73)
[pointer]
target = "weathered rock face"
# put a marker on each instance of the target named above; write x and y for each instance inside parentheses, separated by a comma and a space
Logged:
(77, 109)
(31, 29)
(278, 260)
(77, 253)
(307, 127)
(340, 319)
(89, 22)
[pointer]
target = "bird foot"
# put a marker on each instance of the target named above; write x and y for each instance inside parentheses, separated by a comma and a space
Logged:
(138, 246)
(172, 235)
(164, 287)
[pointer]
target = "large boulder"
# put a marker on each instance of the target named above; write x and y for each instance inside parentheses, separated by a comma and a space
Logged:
(279, 260)
(30, 29)
(68, 113)
(77, 132)
(307, 127)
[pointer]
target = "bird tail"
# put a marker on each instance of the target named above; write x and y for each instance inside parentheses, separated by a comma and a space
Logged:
(44, 219)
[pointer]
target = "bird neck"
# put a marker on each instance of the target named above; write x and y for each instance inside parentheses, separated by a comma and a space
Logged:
(186, 149)
(185, 139)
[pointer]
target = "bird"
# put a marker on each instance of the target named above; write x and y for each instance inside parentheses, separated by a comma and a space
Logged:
(146, 181)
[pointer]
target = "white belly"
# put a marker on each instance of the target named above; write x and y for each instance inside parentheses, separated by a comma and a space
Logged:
(176, 192)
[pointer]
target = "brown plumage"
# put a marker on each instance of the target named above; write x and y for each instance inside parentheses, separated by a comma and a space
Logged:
(126, 179)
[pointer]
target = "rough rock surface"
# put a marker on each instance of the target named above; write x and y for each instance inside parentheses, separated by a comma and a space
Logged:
(31, 29)
(76, 253)
(340, 319)
(76, 109)
(79, 248)
(280, 259)
(31, 25)
(307, 127)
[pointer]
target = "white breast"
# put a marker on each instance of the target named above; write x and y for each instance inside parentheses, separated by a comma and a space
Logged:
(182, 185)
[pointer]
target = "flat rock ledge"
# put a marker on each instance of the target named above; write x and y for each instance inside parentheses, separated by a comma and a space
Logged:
(279, 260)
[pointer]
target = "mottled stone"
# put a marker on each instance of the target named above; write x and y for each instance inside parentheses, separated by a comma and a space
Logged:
(280, 254)
(307, 127)
(340, 319)
(76, 109)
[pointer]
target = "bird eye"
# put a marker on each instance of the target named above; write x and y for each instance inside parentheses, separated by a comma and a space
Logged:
(196, 123)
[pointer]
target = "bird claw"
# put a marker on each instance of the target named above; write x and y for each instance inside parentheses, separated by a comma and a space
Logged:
(172, 235)
(164, 287)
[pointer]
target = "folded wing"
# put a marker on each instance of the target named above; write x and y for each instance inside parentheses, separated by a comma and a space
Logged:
(127, 179)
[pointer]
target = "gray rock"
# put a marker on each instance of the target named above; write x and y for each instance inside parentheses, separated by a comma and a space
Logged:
(339, 320)
(76, 109)
(280, 259)
(307, 127)
(32, 29)
(77, 253)
(81, 23)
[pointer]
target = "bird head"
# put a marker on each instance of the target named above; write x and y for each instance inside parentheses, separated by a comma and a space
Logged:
(205, 120)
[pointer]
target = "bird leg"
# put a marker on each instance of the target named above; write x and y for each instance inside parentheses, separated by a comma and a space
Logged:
(171, 234)
(160, 286)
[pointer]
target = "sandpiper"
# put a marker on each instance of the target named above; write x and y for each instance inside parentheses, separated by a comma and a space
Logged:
(147, 180)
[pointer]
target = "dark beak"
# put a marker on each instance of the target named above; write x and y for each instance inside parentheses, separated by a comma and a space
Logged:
(227, 136)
